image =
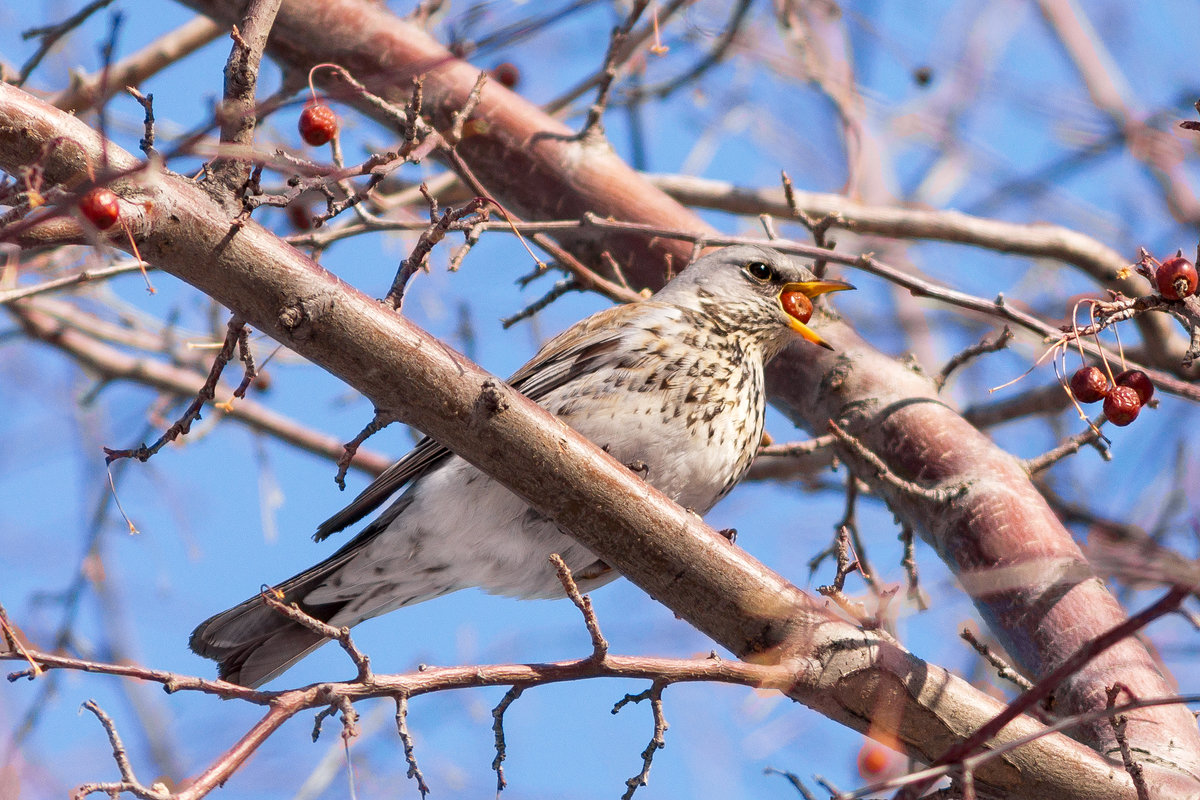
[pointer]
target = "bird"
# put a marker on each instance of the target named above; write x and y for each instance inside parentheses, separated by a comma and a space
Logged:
(672, 385)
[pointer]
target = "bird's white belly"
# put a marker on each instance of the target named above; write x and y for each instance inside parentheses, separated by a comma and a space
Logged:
(461, 529)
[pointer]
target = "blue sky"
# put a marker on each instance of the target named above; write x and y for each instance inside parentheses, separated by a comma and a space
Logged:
(229, 510)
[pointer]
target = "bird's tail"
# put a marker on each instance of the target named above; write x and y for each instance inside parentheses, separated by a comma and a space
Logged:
(253, 643)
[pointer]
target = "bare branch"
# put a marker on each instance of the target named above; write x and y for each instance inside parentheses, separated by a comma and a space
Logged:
(207, 392)
(498, 729)
(657, 740)
(406, 740)
(584, 604)
(1003, 668)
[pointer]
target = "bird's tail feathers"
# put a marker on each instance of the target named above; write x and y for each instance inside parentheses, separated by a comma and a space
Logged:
(253, 643)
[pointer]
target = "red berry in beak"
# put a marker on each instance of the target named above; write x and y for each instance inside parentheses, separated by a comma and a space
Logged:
(798, 305)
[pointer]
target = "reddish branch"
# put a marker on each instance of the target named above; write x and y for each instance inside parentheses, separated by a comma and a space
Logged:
(834, 667)
(235, 338)
(1049, 682)
(88, 91)
(1002, 527)
(110, 363)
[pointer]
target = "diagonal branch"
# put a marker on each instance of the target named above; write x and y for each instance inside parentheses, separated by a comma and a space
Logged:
(533, 165)
(840, 670)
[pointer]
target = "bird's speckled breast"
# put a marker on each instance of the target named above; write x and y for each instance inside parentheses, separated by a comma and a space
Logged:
(692, 382)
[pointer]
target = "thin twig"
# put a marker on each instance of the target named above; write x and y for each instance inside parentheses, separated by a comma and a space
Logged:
(340, 635)
(794, 780)
(498, 730)
(1049, 682)
(583, 603)
(804, 448)
(1090, 436)
(711, 59)
(406, 740)
(593, 125)
(1002, 667)
(460, 117)
(129, 782)
(350, 448)
(559, 289)
(657, 740)
(86, 276)
(50, 34)
(475, 211)
(146, 143)
(1118, 722)
(885, 474)
(984, 346)
(192, 413)
(909, 562)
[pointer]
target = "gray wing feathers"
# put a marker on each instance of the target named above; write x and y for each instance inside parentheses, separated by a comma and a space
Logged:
(572, 352)
(421, 458)
(253, 643)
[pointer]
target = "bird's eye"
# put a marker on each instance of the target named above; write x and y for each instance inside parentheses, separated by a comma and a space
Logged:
(760, 271)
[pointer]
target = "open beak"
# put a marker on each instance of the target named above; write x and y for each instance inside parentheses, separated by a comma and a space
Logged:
(796, 299)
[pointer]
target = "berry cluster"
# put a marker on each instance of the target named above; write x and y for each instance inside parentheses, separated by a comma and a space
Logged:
(1123, 398)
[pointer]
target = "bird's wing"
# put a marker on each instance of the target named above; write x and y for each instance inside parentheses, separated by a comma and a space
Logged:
(425, 455)
(571, 353)
(575, 351)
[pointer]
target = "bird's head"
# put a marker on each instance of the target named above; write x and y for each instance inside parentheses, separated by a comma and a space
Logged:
(753, 289)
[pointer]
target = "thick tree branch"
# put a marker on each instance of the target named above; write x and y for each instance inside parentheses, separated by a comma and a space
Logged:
(1000, 529)
(841, 671)
(88, 91)
(110, 363)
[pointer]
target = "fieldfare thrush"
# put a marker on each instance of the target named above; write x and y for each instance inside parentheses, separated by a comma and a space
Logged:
(674, 383)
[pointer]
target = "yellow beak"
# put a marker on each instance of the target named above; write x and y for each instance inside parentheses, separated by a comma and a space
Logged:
(798, 313)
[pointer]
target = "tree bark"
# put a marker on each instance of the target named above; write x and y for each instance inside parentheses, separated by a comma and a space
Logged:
(1021, 566)
(858, 677)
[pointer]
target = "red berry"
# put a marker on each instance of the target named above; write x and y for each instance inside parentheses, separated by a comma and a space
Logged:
(797, 305)
(1176, 278)
(318, 124)
(1089, 384)
(506, 74)
(300, 215)
(1138, 381)
(100, 207)
(874, 760)
(1122, 405)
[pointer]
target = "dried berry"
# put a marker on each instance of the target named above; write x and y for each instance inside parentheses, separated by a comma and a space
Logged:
(797, 305)
(1176, 278)
(100, 207)
(318, 124)
(506, 74)
(1138, 381)
(1089, 384)
(1121, 405)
